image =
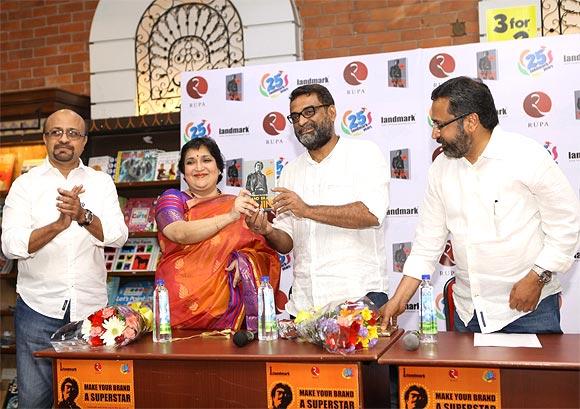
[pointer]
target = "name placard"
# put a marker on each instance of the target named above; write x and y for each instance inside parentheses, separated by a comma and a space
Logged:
(92, 384)
(312, 385)
(449, 387)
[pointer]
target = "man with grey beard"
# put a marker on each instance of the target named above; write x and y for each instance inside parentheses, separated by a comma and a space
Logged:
(512, 214)
(330, 209)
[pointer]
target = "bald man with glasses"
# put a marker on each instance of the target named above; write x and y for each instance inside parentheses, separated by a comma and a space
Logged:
(58, 217)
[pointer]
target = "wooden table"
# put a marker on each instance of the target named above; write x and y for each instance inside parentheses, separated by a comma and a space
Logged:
(547, 377)
(214, 373)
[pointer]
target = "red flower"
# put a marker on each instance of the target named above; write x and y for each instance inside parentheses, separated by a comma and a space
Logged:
(97, 319)
(95, 341)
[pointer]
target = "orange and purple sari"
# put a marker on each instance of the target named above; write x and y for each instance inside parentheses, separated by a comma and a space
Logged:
(200, 284)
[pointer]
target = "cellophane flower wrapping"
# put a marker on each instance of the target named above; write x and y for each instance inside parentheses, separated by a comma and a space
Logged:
(342, 328)
(112, 326)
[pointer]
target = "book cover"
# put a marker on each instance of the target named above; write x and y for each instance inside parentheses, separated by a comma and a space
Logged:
(110, 257)
(259, 178)
(112, 289)
(139, 214)
(135, 291)
(397, 73)
(7, 161)
(103, 163)
(400, 253)
(138, 254)
(28, 164)
(167, 165)
(234, 172)
(399, 164)
(136, 166)
(234, 87)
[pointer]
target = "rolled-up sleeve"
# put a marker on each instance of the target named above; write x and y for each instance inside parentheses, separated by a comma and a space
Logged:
(560, 213)
(430, 236)
(17, 222)
(115, 231)
(373, 184)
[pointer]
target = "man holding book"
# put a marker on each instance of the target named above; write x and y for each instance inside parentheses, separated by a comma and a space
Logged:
(330, 209)
(59, 244)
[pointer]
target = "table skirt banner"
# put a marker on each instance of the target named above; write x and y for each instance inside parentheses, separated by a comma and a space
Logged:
(313, 385)
(95, 384)
(449, 387)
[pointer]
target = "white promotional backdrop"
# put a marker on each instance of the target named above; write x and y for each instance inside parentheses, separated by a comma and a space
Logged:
(535, 83)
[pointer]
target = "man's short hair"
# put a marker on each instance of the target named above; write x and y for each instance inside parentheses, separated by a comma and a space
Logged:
(467, 95)
(74, 390)
(286, 397)
(323, 94)
(421, 400)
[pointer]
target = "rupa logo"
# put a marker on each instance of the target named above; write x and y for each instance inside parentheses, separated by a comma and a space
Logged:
(533, 63)
(355, 73)
(196, 130)
(272, 85)
(355, 123)
(274, 123)
(442, 65)
(537, 104)
(196, 87)
(447, 258)
(552, 150)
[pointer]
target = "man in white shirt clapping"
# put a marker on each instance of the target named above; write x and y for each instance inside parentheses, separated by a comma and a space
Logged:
(57, 220)
(512, 215)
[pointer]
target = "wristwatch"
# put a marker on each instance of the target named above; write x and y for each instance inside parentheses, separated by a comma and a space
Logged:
(88, 218)
(544, 276)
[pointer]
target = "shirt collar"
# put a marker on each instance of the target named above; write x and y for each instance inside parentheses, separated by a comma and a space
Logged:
(47, 166)
(330, 155)
(494, 149)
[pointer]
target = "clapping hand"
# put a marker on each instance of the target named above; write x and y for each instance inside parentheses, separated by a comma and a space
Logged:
(69, 205)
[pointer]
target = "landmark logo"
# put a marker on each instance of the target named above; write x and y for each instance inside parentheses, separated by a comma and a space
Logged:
(196, 87)
(442, 65)
(355, 73)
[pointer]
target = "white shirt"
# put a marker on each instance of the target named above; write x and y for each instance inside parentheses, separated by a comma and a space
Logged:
(71, 266)
(333, 263)
(510, 210)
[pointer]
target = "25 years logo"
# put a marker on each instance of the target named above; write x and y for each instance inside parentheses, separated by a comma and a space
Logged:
(534, 63)
(355, 123)
(272, 85)
(195, 130)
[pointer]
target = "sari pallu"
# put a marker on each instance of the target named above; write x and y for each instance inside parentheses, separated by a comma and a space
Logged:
(200, 284)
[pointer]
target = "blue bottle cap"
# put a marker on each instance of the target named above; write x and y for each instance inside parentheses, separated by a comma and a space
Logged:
(160, 281)
(426, 277)
(265, 279)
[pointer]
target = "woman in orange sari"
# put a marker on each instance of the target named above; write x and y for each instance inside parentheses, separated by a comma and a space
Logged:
(211, 262)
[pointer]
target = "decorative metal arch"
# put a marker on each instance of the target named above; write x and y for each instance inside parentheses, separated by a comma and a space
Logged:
(183, 35)
(560, 17)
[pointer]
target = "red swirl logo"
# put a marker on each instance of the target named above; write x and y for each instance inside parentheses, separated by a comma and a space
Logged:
(196, 87)
(355, 73)
(537, 104)
(447, 258)
(442, 65)
(274, 123)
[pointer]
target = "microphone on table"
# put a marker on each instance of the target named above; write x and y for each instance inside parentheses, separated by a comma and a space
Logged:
(411, 340)
(242, 337)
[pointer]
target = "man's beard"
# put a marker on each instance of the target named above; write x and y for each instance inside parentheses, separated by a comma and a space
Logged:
(64, 154)
(459, 147)
(318, 137)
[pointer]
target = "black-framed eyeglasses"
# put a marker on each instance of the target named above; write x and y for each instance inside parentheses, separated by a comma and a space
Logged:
(438, 126)
(72, 133)
(307, 112)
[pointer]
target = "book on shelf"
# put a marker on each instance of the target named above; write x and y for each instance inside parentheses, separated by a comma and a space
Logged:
(28, 164)
(104, 163)
(138, 254)
(139, 214)
(135, 291)
(167, 165)
(136, 166)
(7, 161)
(112, 289)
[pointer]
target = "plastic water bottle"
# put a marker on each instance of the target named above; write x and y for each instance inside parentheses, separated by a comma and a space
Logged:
(428, 318)
(161, 318)
(267, 326)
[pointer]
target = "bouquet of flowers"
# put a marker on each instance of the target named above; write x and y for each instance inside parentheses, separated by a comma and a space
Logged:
(112, 326)
(341, 328)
